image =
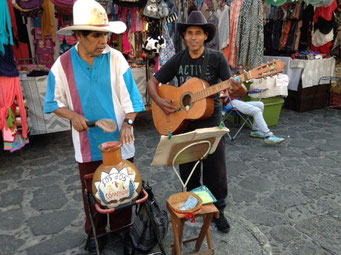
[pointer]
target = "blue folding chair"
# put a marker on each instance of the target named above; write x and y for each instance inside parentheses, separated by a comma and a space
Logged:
(242, 119)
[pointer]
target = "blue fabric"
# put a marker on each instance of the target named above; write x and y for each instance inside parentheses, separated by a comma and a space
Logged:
(6, 36)
(50, 105)
(135, 96)
(92, 88)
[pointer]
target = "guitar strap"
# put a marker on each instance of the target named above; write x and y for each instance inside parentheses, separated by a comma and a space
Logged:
(203, 67)
(204, 64)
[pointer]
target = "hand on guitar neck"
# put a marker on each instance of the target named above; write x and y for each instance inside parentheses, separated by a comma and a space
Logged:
(236, 89)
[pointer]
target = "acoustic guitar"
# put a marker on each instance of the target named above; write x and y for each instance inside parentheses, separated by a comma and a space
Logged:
(193, 99)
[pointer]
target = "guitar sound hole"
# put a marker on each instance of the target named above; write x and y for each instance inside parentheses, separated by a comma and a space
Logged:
(186, 101)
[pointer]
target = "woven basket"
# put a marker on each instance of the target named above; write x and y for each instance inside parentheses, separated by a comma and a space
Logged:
(176, 201)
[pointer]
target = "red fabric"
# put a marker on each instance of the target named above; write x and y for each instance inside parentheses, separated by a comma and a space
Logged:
(325, 12)
(21, 52)
(9, 90)
(324, 49)
(285, 34)
(13, 20)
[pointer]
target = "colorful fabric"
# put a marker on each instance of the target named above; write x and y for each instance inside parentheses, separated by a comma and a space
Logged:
(231, 51)
(10, 89)
(13, 140)
(6, 36)
(105, 91)
(11, 117)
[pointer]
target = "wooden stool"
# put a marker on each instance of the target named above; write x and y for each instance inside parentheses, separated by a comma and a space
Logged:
(178, 222)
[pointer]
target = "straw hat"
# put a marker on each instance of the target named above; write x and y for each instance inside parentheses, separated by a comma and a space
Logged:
(90, 15)
(197, 19)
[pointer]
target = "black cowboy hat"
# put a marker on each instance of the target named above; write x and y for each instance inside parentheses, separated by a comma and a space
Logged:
(197, 19)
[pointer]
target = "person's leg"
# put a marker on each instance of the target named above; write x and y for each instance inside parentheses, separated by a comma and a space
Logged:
(254, 109)
(101, 219)
(215, 175)
(215, 179)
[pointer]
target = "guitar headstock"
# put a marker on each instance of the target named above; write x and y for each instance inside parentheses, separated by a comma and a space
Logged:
(264, 70)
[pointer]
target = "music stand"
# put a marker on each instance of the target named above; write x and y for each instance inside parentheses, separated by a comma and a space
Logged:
(187, 147)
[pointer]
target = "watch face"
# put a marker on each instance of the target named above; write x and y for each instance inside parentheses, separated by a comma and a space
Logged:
(129, 121)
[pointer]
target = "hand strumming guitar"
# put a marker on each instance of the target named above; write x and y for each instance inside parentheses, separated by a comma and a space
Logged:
(164, 103)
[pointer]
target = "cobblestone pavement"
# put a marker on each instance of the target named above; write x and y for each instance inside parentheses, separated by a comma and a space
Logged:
(283, 199)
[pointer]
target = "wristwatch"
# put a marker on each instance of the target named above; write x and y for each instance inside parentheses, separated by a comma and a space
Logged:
(129, 121)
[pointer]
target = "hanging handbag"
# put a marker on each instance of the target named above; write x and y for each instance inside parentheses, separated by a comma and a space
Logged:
(151, 10)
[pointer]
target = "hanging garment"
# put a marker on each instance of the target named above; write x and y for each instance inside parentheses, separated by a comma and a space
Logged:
(250, 36)
(10, 89)
(167, 52)
(325, 12)
(324, 49)
(224, 27)
(307, 18)
(214, 43)
(22, 28)
(320, 39)
(44, 48)
(297, 35)
(136, 20)
(6, 36)
(285, 33)
(13, 20)
(7, 64)
(231, 51)
(47, 20)
(289, 46)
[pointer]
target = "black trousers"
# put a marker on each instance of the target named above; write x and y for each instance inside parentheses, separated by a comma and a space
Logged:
(213, 172)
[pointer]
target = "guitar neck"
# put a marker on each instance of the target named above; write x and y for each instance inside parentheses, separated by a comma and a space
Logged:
(210, 91)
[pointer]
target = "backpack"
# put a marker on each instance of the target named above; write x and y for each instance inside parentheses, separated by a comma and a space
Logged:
(149, 227)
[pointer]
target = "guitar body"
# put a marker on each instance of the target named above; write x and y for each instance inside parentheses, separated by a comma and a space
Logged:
(187, 109)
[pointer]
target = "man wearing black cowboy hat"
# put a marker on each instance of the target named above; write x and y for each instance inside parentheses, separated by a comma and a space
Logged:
(212, 66)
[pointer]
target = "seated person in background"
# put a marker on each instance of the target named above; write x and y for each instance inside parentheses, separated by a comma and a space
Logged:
(255, 109)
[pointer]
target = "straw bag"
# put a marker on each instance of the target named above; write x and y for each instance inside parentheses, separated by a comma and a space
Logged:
(177, 201)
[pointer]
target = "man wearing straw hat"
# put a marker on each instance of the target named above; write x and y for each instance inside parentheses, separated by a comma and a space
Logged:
(89, 82)
(212, 66)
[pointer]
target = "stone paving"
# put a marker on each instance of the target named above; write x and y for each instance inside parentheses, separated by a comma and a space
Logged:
(283, 199)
